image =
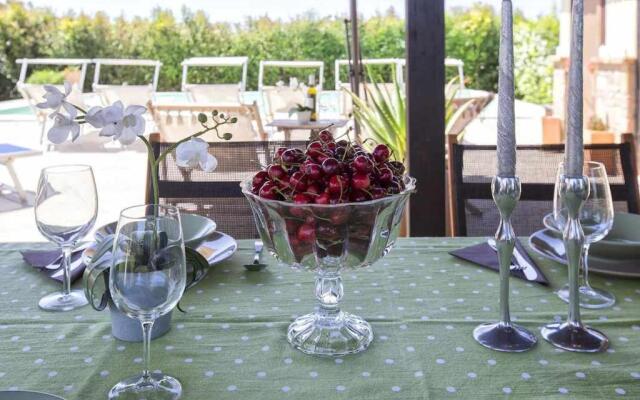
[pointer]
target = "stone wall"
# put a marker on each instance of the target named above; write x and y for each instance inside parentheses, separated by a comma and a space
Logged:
(615, 96)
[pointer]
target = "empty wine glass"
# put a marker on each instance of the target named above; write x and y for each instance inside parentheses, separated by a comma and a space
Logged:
(146, 281)
(596, 219)
(66, 207)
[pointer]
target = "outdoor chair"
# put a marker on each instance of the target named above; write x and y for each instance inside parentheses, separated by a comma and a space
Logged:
(8, 153)
(217, 194)
(177, 121)
(473, 168)
(33, 92)
(221, 93)
(215, 93)
(128, 94)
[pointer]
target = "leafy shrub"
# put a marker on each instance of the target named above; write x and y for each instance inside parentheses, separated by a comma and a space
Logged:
(46, 76)
(472, 35)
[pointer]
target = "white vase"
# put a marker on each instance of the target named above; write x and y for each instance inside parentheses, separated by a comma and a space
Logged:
(304, 116)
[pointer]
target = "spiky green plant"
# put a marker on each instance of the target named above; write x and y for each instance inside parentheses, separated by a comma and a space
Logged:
(383, 113)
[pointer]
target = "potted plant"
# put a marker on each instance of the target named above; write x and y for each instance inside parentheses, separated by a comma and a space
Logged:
(303, 113)
(128, 125)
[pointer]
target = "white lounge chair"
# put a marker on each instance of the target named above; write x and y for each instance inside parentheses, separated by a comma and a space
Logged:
(215, 93)
(128, 94)
(280, 99)
(33, 92)
(177, 121)
(8, 153)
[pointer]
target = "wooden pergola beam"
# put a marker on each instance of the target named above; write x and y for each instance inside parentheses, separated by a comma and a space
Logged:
(425, 43)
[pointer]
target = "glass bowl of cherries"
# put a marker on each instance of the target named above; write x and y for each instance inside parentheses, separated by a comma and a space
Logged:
(331, 207)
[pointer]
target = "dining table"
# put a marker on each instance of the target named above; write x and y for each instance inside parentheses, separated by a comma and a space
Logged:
(230, 341)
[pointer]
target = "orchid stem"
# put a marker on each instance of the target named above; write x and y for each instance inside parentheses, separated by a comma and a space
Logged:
(153, 165)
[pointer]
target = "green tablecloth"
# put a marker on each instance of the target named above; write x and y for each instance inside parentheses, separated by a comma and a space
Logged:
(422, 303)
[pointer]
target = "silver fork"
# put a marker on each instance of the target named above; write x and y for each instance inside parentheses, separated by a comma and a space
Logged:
(513, 267)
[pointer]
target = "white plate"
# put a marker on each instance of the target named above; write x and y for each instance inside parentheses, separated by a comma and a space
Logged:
(217, 247)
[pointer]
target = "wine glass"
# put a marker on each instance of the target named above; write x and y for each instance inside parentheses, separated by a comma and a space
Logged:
(573, 335)
(146, 281)
(596, 219)
(66, 207)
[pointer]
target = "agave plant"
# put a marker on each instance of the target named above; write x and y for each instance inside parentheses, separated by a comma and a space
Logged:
(383, 113)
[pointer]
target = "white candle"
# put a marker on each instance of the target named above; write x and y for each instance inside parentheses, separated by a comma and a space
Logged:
(506, 97)
(574, 148)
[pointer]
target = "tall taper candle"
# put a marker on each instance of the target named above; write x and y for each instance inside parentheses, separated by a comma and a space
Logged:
(506, 108)
(574, 156)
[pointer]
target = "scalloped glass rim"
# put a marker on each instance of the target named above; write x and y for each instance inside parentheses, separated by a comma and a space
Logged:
(410, 187)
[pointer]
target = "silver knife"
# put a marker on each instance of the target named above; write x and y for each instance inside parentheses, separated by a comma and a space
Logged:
(529, 272)
(521, 263)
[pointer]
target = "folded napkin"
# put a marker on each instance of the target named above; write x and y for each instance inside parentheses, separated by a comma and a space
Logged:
(483, 255)
(40, 259)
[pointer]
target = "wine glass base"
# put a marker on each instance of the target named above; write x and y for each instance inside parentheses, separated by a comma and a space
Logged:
(156, 386)
(338, 335)
(578, 338)
(63, 302)
(589, 297)
(508, 338)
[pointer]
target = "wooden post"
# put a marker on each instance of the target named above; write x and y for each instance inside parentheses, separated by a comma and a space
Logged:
(425, 114)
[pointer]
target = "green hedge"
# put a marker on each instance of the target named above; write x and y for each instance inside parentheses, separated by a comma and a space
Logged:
(472, 35)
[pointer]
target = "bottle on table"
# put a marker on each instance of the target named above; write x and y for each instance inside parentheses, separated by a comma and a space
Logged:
(311, 100)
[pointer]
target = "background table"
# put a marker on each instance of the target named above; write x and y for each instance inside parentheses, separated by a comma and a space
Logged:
(422, 304)
(288, 125)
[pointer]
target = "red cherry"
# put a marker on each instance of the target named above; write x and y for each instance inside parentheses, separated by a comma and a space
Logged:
(292, 156)
(360, 181)
(385, 176)
(381, 153)
(325, 136)
(337, 185)
(362, 164)
(330, 166)
(292, 225)
(269, 191)
(298, 181)
(315, 150)
(306, 233)
(301, 198)
(397, 167)
(276, 172)
(278, 154)
(323, 198)
(313, 189)
(260, 178)
(314, 171)
(358, 196)
(378, 193)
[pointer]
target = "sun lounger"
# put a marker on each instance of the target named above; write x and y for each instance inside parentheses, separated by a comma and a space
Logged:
(8, 153)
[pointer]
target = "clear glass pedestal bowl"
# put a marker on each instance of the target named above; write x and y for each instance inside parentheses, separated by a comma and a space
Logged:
(327, 239)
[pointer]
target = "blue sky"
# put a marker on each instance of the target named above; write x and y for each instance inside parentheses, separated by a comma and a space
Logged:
(236, 10)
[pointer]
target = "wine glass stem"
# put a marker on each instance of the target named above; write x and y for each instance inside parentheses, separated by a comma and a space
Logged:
(146, 342)
(329, 292)
(66, 269)
(585, 265)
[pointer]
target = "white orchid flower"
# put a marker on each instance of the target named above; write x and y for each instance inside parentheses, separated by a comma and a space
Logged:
(62, 126)
(131, 125)
(106, 119)
(54, 98)
(195, 153)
